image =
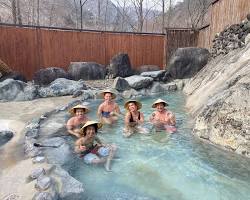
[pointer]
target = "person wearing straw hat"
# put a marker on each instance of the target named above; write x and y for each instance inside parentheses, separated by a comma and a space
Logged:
(162, 118)
(78, 120)
(108, 111)
(91, 148)
(133, 118)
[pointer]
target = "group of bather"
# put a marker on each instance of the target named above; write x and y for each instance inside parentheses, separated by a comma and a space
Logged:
(91, 148)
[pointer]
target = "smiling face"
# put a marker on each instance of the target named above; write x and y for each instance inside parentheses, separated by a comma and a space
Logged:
(132, 107)
(79, 112)
(90, 131)
(160, 107)
(108, 97)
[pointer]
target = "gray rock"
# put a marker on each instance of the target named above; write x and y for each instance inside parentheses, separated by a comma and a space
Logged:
(70, 187)
(43, 183)
(13, 75)
(29, 148)
(5, 136)
(37, 172)
(156, 75)
(86, 71)
(222, 112)
(61, 87)
(46, 76)
(38, 159)
(156, 87)
(186, 62)
(43, 196)
(120, 84)
(247, 39)
(139, 82)
(15, 90)
(170, 86)
(127, 94)
(120, 66)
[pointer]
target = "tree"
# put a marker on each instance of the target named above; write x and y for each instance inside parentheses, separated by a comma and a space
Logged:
(82, 2)
(196, 11)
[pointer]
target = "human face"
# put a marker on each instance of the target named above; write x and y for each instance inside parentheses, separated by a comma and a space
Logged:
(79, 112)
(132, 107)
(90, 131)
(108, 97)
(160, 107)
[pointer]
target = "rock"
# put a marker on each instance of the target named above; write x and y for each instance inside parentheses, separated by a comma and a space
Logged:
(5, 136)
(60, 155)
(14, 76)
(70, 188)
(44, 77)
(139, 82)
(38, 159)
(156, 87)
(222, 112)
(43, 183)
(120, 84)
(146, 68)
(128, 94)
(29, 148)
(43, 196)
(37, 172)
(15, 90)
(61, 87)
(247, 39)
(186, 62)
(170, 86)
(86, 71)
(156, 75)
(120, 66)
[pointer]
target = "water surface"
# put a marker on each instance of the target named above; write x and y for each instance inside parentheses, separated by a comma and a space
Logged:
(160, 166)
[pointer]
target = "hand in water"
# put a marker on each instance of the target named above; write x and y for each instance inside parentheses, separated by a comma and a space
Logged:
(82, 148)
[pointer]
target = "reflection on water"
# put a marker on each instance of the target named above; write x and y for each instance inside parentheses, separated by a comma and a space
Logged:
(161, 166)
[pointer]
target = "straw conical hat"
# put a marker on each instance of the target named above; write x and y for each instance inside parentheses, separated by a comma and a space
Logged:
(73, 110)
(108, 91)
(137, 103)
(89, 123)
(159, 101)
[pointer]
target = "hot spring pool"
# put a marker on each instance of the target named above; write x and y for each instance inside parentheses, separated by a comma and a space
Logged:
(164, 167)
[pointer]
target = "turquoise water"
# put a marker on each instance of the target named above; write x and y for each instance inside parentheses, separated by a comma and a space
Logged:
(161, 166)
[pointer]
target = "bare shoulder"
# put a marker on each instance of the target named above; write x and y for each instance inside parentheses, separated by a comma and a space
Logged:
(71, 121)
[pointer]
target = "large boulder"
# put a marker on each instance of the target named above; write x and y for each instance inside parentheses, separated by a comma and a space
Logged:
(86, 71)
(139, 82)
(120, 66)
(120, 84)
(5, 136)
(46, 76)
(61, 87)
(219, 100)
(186, 62)
(13, 75)
(15, 90)
(156, 75)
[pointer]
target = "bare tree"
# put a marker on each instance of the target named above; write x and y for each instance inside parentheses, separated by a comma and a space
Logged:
(82, 2)
(38, 13)
(196, 11)
(19, 16)
(13, 9)
(141, 12)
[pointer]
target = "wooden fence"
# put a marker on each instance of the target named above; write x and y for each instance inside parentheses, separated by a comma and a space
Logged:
(28, 49)
(177, 38)
(222, 13)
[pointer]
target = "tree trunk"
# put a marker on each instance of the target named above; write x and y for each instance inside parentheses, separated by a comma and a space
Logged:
(76, 13)
(38, 13)
(13, 9)
(19, 15)
(163, 16)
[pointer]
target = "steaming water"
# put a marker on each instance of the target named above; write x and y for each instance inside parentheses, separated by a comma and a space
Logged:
(161, 166)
